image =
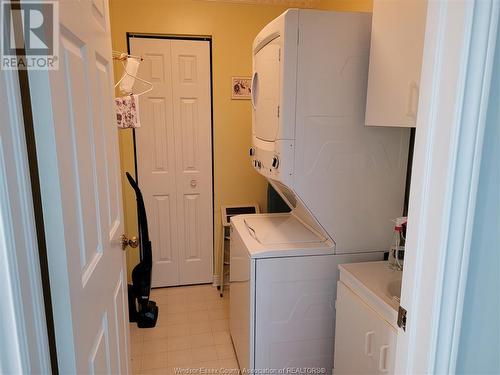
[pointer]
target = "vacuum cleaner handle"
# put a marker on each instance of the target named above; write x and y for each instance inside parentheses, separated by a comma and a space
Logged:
(146, 253)
(133, 184)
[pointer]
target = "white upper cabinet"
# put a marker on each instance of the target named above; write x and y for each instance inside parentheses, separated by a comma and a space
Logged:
(398, 28)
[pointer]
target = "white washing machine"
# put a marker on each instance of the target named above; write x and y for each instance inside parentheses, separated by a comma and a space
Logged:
(282, 294)
(344, 182)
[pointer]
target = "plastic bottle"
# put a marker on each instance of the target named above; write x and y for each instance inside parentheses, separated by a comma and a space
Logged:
(398, 242)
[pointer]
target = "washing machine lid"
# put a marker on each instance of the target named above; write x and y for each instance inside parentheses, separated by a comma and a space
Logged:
(280, 229)
(278, 235)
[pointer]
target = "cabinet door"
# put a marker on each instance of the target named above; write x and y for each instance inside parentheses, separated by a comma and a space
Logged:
(384, 340)
(398, 28)
(354, 335)
(364, 342)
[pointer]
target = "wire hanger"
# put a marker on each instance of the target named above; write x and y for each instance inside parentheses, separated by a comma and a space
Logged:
(122, 57)
(117, 55)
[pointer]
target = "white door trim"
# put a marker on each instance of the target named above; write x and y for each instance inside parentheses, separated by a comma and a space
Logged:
(23, 331)
(456, 74)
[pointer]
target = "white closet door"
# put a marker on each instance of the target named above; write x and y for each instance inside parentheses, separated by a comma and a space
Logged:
(174, 158)
(193, 143)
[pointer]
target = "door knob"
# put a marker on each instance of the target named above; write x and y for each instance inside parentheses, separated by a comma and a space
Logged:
(132, 242)
(194, 183)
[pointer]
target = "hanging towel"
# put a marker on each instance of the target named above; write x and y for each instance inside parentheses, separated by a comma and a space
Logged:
(127, 111)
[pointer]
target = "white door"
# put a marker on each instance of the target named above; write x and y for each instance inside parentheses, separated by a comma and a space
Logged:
(174, 158)
(76, 137)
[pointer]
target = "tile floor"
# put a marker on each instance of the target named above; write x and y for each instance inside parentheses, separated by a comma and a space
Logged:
(192, 332)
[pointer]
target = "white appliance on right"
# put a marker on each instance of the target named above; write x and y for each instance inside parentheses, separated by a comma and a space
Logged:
(343, 181)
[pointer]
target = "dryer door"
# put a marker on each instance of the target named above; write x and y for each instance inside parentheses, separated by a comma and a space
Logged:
(266, 91)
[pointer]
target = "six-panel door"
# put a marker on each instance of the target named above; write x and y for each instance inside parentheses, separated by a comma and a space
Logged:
(78, 160)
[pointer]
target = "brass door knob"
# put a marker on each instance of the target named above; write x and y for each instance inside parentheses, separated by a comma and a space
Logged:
(132, 242)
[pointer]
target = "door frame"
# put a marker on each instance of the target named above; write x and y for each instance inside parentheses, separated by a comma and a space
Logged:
(28, 328)
(27, 336)
(458, 58)
(207, 38)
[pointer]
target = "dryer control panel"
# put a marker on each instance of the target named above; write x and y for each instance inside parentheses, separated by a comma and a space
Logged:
(274, 162)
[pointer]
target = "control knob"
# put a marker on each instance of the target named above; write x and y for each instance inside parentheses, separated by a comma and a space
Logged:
(276, 162)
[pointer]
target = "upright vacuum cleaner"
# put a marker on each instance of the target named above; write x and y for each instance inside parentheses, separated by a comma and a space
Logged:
(141, 309)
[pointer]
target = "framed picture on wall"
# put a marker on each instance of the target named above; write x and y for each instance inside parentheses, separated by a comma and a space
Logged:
(241, 87)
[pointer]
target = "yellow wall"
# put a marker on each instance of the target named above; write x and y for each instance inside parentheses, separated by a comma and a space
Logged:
(347, 5)
(233, 28)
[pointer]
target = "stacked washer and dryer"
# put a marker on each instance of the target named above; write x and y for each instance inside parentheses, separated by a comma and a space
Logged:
(343, 181)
